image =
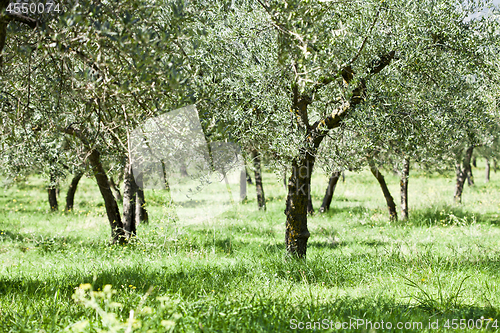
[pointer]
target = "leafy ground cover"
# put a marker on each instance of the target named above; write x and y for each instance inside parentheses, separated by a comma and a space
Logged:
(439, 270)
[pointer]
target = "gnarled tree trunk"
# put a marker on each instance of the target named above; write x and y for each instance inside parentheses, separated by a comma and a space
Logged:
(327, 199)
(261, 200)
(297, 234)
(70, 196)
(129, 201)
(117, 231)
(393, 215)
(405, 175)
(299, 183)
(112, 211)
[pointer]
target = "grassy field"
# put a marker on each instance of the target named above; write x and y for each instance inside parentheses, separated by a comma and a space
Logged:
(439, 270)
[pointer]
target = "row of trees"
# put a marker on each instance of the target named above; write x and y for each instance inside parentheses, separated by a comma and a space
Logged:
(309, 83)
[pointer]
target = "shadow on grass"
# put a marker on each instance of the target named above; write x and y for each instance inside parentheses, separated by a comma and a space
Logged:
(211, 295)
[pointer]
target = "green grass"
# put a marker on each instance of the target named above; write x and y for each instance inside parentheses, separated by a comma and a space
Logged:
(231, 274)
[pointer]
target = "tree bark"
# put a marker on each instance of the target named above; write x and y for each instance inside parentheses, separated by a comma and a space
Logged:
(51, 189)
(129, 202)
(299, 184)
(405, 175)
(327, 199)
(467, 166)
(261, 201)
(70, 196)
(393, 215)
(487, 170)
(115, 189)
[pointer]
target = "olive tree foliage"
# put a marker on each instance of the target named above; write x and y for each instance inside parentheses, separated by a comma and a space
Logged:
(88, 76)
(288, 74)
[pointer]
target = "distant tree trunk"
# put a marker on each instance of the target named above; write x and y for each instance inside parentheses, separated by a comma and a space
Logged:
(243, 185)
(327, 199)
(258, 180)
(487, 170)
(52, 194)
(467, 166)
(115, 189)
(141, 214)
(70, 196)
(405, 175)
(459, 187)
(495, 167)
(393, 215)
(129, 201)
(474, 162)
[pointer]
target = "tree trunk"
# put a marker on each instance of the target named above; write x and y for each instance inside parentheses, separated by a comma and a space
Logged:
(129, 202)
(141, 213)
(495, 167)
(115, 189)
(52, 194)
(327, 199)
(487, 170)
(474, 162)
(243, 186)
(459, 187)
(117, 231)
(405, 174)
(393, 215)
(299, 184)
(261, 201)
(467, 166)
(70, 196)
